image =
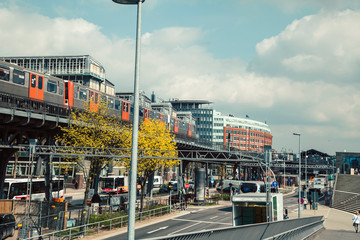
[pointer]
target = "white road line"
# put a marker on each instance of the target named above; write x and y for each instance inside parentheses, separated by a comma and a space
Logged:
(292, 205)
(213, 217)
(162, 228)
(183, 228)
(188, 220)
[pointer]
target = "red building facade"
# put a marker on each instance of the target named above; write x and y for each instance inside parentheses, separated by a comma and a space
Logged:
(246, 139)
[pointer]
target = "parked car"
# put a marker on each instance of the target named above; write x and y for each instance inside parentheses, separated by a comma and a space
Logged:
(7, 225)
(173, 181)
(191, 186)
(166, 188)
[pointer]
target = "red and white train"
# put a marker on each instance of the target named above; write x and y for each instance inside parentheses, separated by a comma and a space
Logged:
(64, 94)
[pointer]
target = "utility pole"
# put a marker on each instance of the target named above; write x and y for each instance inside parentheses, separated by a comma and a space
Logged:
(299, 178)
(267, 156)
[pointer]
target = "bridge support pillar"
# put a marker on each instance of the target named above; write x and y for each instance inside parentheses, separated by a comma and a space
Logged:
(5, 155)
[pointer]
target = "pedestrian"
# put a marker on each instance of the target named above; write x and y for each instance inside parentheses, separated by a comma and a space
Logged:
(285, 213)
(310, 201)
(76, 184)
(356, 221)
(305, 202)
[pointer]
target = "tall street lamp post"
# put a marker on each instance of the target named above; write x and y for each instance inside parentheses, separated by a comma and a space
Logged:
(306, 178)
(299, 177)
(134, 145)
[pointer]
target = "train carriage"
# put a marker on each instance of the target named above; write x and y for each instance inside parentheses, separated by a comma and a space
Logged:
(22, 82)
(13, 81)
(43, 92)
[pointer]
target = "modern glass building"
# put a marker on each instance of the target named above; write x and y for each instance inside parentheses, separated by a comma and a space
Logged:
(240, 133)
(83, 69)
(348, 162)
(201, 111)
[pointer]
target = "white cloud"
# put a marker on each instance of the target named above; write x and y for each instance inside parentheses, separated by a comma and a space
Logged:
(293, 5)
(303, 76)
(317, 47)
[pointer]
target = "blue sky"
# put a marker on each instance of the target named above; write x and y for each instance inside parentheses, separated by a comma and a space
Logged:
(293, 64)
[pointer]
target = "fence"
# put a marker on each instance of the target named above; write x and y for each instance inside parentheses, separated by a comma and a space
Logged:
(22, 103)
(299, 229)
(80, 222)
(108, 224)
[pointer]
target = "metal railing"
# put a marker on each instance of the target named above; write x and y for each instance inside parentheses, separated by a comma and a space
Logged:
(107, 224)
(286, 229)
(21, 103)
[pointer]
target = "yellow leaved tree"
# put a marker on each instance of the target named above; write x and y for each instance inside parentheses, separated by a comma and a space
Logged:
(92, 130)
(158, 150)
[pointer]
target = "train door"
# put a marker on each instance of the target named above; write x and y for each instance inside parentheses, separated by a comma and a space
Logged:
(161, 118)
(36, 87)
(94, 101)
(146, 114)
(189, 130)
(125, 111)
(176, 125)
(69, 94)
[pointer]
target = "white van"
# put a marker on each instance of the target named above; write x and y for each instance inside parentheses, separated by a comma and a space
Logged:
(234, 183)
(158, 181)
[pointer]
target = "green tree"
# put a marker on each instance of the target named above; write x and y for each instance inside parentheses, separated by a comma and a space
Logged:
(158, 151)
(90, 129)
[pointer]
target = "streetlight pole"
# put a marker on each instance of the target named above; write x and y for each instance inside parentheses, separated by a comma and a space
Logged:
(299, 177)
(284, 175)
(134, 145)
(306, 178)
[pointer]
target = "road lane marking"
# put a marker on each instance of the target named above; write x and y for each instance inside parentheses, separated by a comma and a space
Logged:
(188, 220)
(183, 228)
(292, 205)
(213, 217)
(162, 228)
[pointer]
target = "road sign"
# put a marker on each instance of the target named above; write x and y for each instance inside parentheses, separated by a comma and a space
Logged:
(290, 180)
(212, 180)
(187, 185)
(275, 184)
(301, 201)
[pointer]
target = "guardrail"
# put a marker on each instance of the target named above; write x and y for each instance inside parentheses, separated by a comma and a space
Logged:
(286, 229)
(108, 224)
(20, 103)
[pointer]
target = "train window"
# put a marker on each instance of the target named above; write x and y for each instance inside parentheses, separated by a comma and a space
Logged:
(4, 74)
(96, 97)
(77, 89)
(61, 88)
(111, 103)
(19, 77)
(83, 94)
(51, 86)
(117, 104)
(33, 80)
(40, 82)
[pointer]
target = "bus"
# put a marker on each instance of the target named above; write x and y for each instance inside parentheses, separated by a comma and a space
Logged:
(256, 187)
(114, 184)
(16, 188)
(252, 186)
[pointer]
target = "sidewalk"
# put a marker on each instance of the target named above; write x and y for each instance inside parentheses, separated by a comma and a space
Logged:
(337, 224)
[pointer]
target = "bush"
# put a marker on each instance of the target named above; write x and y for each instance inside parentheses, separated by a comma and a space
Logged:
(224, 197)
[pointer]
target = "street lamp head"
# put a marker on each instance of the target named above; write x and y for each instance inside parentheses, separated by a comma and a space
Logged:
(128, 1)
(296, 134)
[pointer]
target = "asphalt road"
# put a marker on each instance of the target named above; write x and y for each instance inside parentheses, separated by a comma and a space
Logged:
(196, 220)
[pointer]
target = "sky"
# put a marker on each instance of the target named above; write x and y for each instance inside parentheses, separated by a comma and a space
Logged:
(292, 64)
